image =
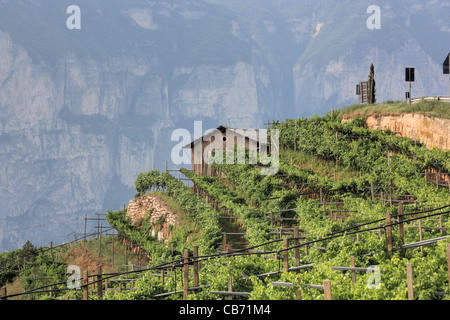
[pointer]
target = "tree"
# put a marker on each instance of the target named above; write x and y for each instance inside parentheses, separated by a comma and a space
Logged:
(372, 90)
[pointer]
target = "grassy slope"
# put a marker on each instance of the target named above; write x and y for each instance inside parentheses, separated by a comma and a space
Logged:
(430, 108)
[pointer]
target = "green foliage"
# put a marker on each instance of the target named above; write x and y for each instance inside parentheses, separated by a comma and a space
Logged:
(257, 228)
(250, 195)
(210, 231)
(147, 181)
(431, 108)
(44, 270)
(10, 262)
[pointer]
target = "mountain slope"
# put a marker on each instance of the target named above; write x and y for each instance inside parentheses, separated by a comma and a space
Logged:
(83, 112)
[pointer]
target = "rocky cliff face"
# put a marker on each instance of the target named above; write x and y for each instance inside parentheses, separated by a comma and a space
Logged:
(76, 131)
(433, 132)
(327, 71)
(83, 112)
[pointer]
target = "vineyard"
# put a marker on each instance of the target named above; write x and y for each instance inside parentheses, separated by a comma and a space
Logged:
(352, 214)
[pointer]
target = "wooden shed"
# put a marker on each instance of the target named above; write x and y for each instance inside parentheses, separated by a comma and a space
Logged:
(222, 138)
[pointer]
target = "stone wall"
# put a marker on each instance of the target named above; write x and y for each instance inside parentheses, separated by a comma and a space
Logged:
(161, 215)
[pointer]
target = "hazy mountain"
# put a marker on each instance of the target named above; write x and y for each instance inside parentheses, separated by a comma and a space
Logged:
(83, 112)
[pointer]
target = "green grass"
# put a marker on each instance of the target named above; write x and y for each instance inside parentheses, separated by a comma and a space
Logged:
(430, 108)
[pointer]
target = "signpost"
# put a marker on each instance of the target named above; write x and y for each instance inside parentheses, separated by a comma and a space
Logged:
(409, 77)
(362, 90)
(446, 68)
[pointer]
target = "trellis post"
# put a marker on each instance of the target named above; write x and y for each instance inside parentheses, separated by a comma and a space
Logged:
(99, 281)
(285, 255)
(327, 289)
(420, 234)
(400, 220)
(230, 287)
(271, 215)
(409, 279)
(388, 231)
(112, 245)
(85, 222)
(186, 274)
(352, 264)
(224, 241)
(297, 249)
(371, 191)
(196, 266)
(85, 285)
(448, 263)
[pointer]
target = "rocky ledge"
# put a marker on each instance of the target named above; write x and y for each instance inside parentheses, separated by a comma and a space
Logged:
(162, 217)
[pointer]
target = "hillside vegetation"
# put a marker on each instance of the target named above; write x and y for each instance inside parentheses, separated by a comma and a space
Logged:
(430, 108)
(341, 188)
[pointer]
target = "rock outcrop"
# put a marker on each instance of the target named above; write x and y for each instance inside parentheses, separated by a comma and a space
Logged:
(433, 132)
(162, 217)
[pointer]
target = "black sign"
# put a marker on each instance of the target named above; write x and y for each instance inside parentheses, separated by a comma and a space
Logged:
(358, 90)
(409, 74)
(407, 95)
(446, 62)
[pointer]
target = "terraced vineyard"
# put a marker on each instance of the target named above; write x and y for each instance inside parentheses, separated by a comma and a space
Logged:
(344, 196)
(351, 214)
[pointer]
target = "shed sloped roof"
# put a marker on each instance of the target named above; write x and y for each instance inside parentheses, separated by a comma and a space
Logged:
(223, 129)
